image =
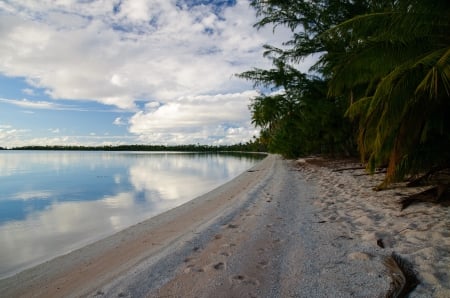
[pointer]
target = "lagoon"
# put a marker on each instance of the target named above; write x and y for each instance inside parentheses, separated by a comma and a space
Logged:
(52, 202)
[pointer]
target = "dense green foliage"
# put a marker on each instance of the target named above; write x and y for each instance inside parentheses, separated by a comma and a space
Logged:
(297, 117)
(384, 64)
(301, 119)
(396, 65)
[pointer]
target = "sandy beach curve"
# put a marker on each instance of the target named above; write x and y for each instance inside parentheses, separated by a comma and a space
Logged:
(281, 229)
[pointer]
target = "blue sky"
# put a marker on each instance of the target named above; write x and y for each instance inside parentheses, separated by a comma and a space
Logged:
(113, 72)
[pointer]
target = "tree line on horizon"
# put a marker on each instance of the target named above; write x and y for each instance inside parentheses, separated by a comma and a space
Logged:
(251, 146)
(380, 87)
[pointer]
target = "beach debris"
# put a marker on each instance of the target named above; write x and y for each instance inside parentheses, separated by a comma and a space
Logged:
(349, 169)
(437, 175)
(438, 195)
(404, 279)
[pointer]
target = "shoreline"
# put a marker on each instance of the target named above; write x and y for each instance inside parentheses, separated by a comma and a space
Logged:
(57, 220)
(281, 229)
(127, 247)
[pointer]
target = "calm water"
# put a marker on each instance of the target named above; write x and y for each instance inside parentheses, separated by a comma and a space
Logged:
(53, 202)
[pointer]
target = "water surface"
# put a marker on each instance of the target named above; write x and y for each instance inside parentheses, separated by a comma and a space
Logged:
(52, 202)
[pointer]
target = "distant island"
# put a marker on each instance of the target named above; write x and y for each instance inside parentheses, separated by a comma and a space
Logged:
(247, 147)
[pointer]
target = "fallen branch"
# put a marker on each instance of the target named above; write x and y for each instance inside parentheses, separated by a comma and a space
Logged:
(438, 195)
(348, 169)
(425, 179)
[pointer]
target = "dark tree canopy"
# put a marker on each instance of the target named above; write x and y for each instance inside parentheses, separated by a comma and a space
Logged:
(383, 65)
(396, 66)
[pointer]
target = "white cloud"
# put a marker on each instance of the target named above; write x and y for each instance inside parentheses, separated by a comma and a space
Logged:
(136, 10)
(17, 137)
(48, 105)
(9, 135)
(28, 91)
(152, 51)
(222, 118)
(119, 121)
(25, 103)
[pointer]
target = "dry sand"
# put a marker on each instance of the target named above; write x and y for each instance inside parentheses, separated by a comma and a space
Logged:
(281, 229)
(420, 233)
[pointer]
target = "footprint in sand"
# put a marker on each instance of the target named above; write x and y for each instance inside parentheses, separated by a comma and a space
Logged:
(188, 259)
(216, 266)
(244, 280)
(263, 264)
(219, 266)
(190, 267)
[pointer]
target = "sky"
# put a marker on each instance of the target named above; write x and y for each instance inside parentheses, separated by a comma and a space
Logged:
(110, 72)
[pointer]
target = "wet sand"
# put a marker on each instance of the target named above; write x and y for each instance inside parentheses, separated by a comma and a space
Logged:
(281, 229)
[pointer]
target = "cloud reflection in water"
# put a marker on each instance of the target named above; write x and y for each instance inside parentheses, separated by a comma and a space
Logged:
(76, 198)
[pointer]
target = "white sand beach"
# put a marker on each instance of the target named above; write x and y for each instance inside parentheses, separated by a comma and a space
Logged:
(420, 233)
(281, 229)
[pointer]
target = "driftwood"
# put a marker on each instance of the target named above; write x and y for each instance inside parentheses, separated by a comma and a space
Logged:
(348, 169)
(404, 279)
(431, 175)
(438, 195)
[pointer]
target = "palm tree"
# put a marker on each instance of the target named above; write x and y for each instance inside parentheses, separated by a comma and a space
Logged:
(395, 70)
